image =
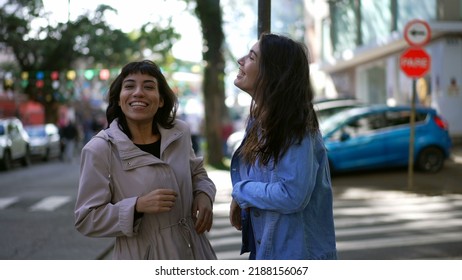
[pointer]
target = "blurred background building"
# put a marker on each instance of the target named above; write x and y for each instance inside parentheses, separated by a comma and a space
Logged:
(358, 44)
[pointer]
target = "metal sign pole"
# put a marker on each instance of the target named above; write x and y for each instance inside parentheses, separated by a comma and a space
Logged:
(412, 137)
(417, 33)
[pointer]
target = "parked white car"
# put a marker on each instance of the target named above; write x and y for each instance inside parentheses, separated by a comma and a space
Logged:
(14, 143)
(45, 142)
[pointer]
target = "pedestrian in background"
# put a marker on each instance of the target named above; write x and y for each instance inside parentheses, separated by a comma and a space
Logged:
(69, 136)
(140, 180)
(282, 193)
(195, 122)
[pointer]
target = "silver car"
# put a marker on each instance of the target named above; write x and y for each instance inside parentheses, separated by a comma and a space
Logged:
(14, 143)
(45, 142)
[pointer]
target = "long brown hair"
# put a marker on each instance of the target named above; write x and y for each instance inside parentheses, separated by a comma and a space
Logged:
(281, 112)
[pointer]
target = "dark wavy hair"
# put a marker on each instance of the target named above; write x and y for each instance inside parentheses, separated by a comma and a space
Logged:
(281, 112)
(165, 116)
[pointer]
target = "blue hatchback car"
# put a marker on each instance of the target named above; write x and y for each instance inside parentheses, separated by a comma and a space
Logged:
(378, 136)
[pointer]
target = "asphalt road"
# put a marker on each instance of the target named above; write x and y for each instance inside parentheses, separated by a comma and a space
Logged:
(36, 214)
(377, 215)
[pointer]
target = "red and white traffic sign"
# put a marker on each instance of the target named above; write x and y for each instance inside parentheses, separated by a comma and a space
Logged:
(415, 62)
(417, 32)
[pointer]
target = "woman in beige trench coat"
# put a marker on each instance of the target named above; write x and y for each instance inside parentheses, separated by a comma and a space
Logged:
(140, 180)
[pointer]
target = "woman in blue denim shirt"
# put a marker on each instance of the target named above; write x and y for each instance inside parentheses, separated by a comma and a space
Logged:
(282, 193)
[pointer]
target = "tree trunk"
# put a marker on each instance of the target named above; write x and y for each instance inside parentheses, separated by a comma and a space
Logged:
(210, 17)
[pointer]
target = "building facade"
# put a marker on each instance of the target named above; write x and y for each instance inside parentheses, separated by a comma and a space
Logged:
(361, 43)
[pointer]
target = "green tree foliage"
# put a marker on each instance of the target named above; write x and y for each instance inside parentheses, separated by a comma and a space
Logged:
(89, 39)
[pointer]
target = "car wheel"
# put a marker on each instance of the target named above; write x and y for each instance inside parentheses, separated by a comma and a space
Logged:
(5, 163)
(25, 161)
(430, 159)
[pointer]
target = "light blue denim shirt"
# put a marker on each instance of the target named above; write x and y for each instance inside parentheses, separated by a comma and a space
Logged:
(289, 206)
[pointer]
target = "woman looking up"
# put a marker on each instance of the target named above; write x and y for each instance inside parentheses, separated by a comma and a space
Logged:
(282, 193)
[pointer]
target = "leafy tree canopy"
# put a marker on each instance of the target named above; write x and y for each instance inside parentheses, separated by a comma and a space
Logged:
(55, 47)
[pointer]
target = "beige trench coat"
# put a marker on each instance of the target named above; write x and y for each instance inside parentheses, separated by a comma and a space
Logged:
(114, 172)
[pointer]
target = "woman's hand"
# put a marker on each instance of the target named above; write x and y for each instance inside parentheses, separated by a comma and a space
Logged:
(157, 201)
(235, 215)
(202, 212)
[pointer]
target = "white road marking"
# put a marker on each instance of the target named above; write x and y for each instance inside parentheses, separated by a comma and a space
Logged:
(400, 241)
(7, 201)
(50, 203)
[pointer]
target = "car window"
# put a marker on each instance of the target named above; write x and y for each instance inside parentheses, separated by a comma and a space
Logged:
(325, 113)
(395, 118)
(12, 129)
(360, 126)
(2, 129)
(36, 132)
(333, 122)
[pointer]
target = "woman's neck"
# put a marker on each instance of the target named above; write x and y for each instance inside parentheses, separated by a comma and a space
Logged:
(143, 140)
(143, 134)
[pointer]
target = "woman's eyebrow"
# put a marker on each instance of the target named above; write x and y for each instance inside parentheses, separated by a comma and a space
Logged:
(144, 81)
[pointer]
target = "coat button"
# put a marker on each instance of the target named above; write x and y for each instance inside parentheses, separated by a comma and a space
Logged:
(256, 214)
(259, 242)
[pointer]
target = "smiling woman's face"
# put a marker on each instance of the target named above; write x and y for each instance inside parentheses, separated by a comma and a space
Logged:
(140, 98)
(248, 70)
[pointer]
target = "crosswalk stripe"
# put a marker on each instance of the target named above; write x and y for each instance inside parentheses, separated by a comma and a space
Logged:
(221, 209)
(218, 232)
(374, 220)
(232, 255)
(50, 203)
(411, 225)
(404, 204)
(353, 194)
(377, 243)
(7, 201)
(225, 241)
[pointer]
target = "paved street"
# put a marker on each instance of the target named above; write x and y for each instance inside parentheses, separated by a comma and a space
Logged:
(376, 215)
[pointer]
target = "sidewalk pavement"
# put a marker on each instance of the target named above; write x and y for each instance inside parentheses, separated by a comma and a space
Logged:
(456, 153)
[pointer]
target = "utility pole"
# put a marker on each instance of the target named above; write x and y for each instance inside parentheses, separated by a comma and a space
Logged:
(68, 11)
(264, 16)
